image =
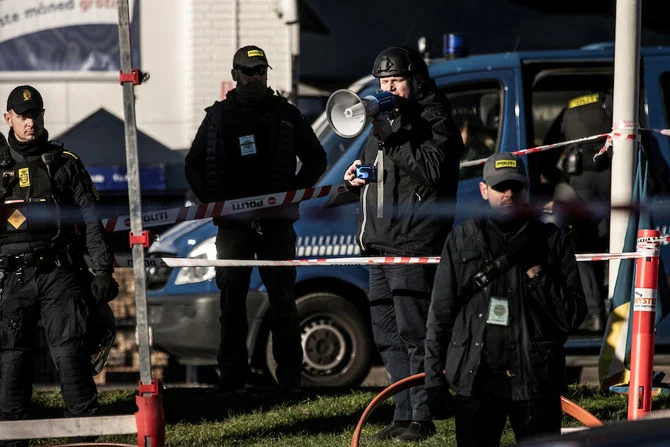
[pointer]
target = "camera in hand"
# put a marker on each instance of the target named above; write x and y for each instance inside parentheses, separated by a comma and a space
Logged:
(366, 172)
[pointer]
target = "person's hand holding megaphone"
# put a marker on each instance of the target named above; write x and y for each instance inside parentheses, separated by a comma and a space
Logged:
(381, 128)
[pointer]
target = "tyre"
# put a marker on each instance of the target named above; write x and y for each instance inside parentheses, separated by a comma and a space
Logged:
(336, 342)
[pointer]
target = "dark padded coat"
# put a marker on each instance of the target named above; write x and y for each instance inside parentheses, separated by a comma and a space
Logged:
(217, 169)
(543, 311)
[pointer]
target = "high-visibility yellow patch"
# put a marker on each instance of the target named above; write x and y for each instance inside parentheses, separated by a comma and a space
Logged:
(252, 53)
(16, 219)
(505, 164)
(24, 177)
(583, 100)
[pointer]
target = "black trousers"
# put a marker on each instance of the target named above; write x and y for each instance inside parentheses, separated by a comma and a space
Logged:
(58, 296)
(267, 240)
(399, 302)
(591, 235)
(480, 420)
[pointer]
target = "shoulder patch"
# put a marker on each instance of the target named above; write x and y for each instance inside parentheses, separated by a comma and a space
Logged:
(71, 154)
(583, 100)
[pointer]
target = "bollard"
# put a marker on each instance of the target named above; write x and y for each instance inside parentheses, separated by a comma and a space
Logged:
(150, 416)
(644, 316)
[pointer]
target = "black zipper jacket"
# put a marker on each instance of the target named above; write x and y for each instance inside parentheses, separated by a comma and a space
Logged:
(542, 311)
(219, 166)
(421, 165)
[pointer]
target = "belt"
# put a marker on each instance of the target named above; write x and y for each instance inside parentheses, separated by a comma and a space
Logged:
(42, 259)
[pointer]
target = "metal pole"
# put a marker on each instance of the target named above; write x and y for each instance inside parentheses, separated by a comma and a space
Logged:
(626, 89)
(644, 326)
(134, 197)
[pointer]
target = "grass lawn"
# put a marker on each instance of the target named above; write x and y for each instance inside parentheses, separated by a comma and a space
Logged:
(315, 417)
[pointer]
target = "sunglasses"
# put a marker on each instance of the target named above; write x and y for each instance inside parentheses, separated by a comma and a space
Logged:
(260, 70)
(514, 185)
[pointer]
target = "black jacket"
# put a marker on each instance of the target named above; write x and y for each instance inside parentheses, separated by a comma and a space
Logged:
(543, 311)
(421, 165)
(77, 199)
(221, 166)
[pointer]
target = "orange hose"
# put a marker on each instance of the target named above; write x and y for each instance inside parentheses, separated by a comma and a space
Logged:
(577, 412)
(567, 405)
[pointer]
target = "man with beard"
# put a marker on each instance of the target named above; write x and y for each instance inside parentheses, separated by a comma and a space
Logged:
(46, 192)
(247, 145)
(507, 294)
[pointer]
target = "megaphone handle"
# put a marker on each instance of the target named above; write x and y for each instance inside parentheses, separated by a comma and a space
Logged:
(380, 180)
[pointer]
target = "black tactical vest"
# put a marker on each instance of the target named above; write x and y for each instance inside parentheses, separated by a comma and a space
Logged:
(29, 211)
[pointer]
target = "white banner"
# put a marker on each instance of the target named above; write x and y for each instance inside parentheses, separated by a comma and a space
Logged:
(21, 17)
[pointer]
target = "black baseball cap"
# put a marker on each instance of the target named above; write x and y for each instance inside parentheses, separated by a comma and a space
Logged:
(24, 98)
(249, 57)
(503, 167)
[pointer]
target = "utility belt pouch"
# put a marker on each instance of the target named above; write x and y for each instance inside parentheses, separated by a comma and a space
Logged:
(574, 163)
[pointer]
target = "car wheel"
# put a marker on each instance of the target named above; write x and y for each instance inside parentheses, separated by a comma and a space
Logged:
(336, 341)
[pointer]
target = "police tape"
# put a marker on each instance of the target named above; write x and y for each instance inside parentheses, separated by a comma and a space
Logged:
(662, 239)
(629, 125)
(219, 209)
(542, 148)
(620, 130)
(236, 206)
(127, 261)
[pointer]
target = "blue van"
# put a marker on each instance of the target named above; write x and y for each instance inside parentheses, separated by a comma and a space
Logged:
(505, 101)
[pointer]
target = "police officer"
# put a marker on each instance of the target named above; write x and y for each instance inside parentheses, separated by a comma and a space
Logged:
(506, 296)
(247, 145)
(587, 178)
(46, 190)
(422, 147)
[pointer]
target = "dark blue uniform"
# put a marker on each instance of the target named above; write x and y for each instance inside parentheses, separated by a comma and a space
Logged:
(45, 190)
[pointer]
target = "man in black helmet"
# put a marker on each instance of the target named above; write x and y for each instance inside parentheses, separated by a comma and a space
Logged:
(45, 192)
(421, 149)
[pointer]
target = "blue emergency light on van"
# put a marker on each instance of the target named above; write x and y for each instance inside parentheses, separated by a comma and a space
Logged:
(454, 46)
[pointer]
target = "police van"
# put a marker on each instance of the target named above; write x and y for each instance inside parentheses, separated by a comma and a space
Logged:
(503, 102)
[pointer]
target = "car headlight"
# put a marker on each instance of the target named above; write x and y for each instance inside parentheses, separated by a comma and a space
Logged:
(191, 275)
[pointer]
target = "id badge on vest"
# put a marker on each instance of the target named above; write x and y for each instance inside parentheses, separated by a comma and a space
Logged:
(247, 145)
(498, 311)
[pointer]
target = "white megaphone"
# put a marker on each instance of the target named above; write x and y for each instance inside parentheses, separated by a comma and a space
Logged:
(347, 112)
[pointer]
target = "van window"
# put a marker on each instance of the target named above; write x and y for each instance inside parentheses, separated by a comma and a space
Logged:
(551, 89)
(476, 108)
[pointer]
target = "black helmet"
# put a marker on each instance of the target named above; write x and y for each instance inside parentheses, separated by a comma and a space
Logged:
(101, 336)
(399, 61)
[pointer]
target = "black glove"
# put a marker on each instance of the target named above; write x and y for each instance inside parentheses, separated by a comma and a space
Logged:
(440, 401)
(104, 288)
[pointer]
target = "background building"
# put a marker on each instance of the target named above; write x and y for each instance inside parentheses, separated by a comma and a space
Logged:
(69, 49)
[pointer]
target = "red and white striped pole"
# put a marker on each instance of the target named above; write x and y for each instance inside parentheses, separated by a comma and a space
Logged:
(644, 315)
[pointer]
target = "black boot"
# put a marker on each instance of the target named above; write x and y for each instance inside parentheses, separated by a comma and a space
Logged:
(390, 431)
(417, 431)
